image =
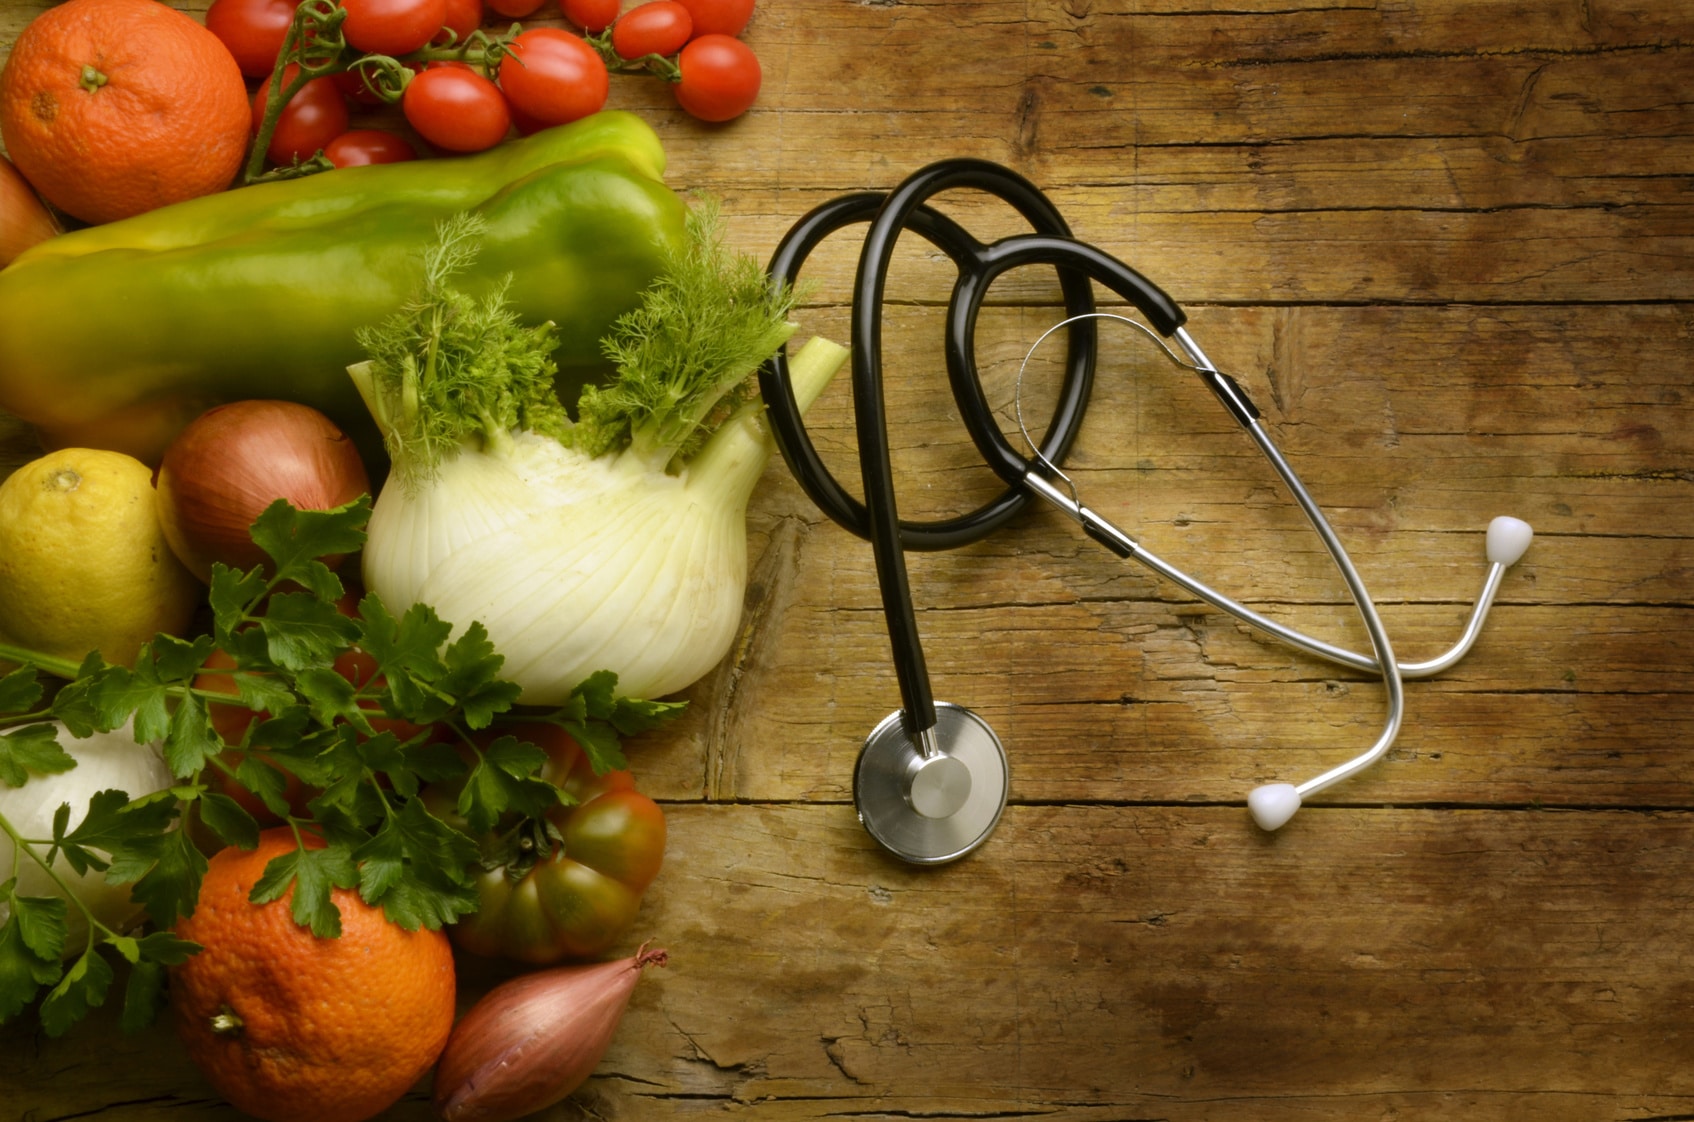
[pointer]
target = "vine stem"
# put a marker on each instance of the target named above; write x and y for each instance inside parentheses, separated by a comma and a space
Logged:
(315, 48)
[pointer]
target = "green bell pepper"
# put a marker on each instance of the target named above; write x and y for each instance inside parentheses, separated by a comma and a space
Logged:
(116, 336)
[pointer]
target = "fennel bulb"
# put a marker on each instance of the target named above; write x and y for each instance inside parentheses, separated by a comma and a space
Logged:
(614, 542)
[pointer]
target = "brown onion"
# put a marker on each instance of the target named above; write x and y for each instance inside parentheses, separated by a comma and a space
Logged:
(533, 1040)
(233, 461)
(24, 221)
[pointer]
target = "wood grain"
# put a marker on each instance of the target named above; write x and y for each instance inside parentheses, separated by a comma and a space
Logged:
(1447, 246)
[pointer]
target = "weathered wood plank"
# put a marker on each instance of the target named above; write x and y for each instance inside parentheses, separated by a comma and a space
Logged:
(1097, 963)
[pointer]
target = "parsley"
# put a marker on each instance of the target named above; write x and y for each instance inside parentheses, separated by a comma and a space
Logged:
(284, 629)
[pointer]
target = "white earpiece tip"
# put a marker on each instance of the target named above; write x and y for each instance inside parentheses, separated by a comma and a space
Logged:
(1273, 804)
(1507, 539)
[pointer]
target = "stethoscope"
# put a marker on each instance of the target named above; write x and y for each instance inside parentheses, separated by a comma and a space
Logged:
(931, 781)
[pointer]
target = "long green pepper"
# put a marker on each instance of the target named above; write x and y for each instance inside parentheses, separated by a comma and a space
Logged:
(116, 336)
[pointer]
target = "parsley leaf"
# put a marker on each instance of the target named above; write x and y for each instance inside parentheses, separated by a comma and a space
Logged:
(302, 631)
(597, 718)
(32, 748)
(503, 781)
(473, 667)
(144, 995)
(19, 690)
(40, 921)
(296, 539)
(415, 839)
(312, 874)
(82, 988)
(22, 971)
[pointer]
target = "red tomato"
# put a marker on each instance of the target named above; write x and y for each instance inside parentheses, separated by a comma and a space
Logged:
(719, 17)
(457, 109)
(515, 9)
(369, 146)
(660, 27)
(592, 16)
(552, 76)
(463, 17)
(253, 30)
(315, 116)
(720, 78)
(391, 27)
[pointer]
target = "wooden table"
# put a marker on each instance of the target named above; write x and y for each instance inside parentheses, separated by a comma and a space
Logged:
(1448, 247)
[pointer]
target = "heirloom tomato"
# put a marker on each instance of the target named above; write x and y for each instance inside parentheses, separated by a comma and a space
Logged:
(568, 886)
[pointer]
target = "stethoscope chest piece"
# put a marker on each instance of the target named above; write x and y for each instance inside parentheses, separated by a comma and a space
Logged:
(934, 800)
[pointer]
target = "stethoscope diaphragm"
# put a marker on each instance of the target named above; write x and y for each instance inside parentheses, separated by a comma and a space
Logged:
(933, 798)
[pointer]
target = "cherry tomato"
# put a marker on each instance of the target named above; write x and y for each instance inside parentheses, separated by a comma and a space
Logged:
(582, 895)
(552, 76)
(359, 147)
(660, 27)
(391, 27)
(720, 78)
(463, 17)
(253, 30)
(593, 16)
(457, 109)
(719, 17)
(514, 9)
(314, 117)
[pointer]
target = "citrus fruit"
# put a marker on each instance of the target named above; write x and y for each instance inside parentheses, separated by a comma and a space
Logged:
(293, 1028)
(115, 107)
(84, 565)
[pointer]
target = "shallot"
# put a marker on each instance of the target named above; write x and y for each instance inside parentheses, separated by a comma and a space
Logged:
(533, 1040)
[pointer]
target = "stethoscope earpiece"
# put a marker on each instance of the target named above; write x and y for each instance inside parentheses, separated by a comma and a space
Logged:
(1273, 804)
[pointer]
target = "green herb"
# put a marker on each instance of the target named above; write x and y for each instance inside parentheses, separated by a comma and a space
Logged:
(683, 356)
(284, 632)
(447, 368)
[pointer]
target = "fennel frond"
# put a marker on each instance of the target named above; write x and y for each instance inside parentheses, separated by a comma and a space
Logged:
(686, 356)
(448, 367)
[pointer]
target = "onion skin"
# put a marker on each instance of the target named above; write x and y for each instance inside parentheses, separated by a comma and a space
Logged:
(233, 461)
(24, 221)
(533, 1040)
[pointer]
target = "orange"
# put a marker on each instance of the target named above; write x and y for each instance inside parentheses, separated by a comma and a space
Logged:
(293, 1028)
(115, 107)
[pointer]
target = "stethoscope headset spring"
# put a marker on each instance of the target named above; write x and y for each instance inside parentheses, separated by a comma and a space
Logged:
(931, 780)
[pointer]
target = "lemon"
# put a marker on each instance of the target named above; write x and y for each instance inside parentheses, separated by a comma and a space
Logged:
(84, 565)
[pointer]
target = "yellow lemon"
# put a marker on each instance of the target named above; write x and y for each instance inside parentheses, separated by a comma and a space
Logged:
(84, 565)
